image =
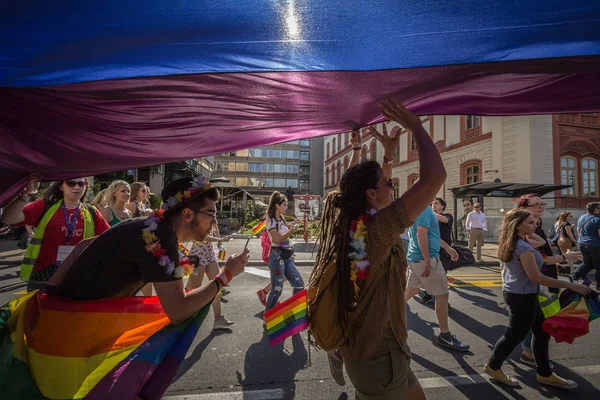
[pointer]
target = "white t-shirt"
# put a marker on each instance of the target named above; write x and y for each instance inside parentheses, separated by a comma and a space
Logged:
(281, 227)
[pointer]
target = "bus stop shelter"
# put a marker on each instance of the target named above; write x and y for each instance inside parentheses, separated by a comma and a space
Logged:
(481, 190)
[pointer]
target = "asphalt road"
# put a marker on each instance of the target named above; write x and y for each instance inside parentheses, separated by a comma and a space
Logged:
(240, 364)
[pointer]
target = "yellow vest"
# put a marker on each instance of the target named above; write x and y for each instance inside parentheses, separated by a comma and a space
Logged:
(33, 250)
(550, 306)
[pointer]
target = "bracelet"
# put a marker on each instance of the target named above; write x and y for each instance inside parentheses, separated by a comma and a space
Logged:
(356, 148)
(222, 278)
(227, 274)
(218, 285)
(24, 200)
(387, 160)
(564, 258)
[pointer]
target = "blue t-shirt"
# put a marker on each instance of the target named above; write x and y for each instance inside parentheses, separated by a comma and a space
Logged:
(588, 233)
(428, 220)
(514, 277)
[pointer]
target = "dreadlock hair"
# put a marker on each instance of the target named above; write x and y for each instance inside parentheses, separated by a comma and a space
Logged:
(341, 208)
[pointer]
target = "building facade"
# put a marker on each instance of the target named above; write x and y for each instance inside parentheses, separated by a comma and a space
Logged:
(297, 164)
(522, 149)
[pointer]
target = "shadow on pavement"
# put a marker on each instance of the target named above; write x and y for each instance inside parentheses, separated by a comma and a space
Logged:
(483, 329)
(474, 391)
(197, 353)
(263, 360)
(480, 301)
(13, 286)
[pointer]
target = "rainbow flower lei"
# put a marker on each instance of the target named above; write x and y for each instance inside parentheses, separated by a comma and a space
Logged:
(152, 241)
(359, 261)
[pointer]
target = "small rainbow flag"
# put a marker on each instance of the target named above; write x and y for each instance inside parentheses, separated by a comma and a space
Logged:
(184, 250)
(287, 319)
(258, 229)
(222, 253)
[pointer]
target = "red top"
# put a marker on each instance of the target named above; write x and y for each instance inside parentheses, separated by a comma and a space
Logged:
(55, 233)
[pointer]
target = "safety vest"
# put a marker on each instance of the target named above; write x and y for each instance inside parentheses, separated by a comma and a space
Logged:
(33, 250)
(550, 306)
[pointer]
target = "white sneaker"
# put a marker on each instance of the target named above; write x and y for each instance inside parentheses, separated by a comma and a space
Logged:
(222, 323)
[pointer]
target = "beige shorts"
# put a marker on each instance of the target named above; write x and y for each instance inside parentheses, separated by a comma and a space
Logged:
(435, 284)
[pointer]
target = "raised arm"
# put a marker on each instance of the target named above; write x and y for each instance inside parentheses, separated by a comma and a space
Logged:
(432, 173)
(13, 213)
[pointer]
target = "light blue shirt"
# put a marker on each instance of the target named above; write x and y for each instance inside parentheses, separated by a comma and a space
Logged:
(589, 231)
(428, 220)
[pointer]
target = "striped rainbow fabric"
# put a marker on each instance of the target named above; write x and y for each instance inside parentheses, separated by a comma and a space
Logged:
(258, 229)
(287, 319)
(54, 348)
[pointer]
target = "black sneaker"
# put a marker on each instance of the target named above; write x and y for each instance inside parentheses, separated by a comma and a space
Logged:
(452, 342)
(426, 298)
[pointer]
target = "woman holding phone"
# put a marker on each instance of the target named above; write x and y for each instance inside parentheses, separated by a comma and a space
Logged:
(207, 264)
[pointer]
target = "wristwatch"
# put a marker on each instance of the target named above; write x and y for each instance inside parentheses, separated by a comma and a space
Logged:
(386, 161)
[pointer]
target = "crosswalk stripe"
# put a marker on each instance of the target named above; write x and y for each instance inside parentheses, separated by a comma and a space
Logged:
(267, 394)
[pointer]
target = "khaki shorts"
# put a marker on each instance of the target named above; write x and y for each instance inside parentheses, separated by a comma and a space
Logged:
(435, 284)
(385, 376)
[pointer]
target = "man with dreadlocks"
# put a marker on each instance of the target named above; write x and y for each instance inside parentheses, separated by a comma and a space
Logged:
(360, 238)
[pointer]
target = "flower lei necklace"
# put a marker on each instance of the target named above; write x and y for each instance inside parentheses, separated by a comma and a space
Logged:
(153, 243)
(359, 262)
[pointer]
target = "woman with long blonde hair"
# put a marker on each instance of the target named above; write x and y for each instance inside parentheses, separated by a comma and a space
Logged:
(117, 195)
(100, 200)
(521, 280)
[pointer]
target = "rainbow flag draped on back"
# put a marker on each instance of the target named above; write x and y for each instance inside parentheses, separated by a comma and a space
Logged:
(258, 229)
(287, 319)
(54, 348)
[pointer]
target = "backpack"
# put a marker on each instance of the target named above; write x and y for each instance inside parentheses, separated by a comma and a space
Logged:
(322, 301)
(265, 242)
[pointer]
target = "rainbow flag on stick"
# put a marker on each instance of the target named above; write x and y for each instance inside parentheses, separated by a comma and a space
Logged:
(287, 319)
(222, 253)
(117, 348)
(258, 229)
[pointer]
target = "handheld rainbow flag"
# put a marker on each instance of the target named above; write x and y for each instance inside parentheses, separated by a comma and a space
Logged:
(183, 249)
(258, 229)
(287, 319)
(222, 253)
(117, 348)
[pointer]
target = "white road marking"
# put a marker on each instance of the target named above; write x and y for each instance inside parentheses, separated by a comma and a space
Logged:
(267, 394)
(257, 271)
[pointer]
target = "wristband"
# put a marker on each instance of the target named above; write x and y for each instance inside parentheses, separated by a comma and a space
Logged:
(356, 148)
(386, 160)
(218, 285)
(227, 274)
(222, 278)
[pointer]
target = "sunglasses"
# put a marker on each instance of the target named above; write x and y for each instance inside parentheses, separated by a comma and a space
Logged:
(541, 205)
(143, 190)
(72, 184)
(389, 183)
(477, 206)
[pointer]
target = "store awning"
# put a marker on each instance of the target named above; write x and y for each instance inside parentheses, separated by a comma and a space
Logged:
(503, 189)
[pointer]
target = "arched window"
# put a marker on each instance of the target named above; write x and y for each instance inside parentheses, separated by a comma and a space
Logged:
(333, 146)
(396, 183)
(346, 138)
(568, 175)
(373, 150)
(346, 161)
(339, 173)
(327, 177)
(363, 153)
(589, 173)
(412, 179)
(333, 174)
(470, 172)
(340, 146)
(328, 151)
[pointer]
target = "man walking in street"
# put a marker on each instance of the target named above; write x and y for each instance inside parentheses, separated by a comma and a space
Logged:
(426, 271)
(445, 222)
(588, 227)
(476, 226)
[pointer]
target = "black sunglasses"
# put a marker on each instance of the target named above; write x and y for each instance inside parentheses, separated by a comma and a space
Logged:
(72, 184)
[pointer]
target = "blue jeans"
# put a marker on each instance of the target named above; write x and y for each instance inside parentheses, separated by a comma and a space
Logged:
(281, 268)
